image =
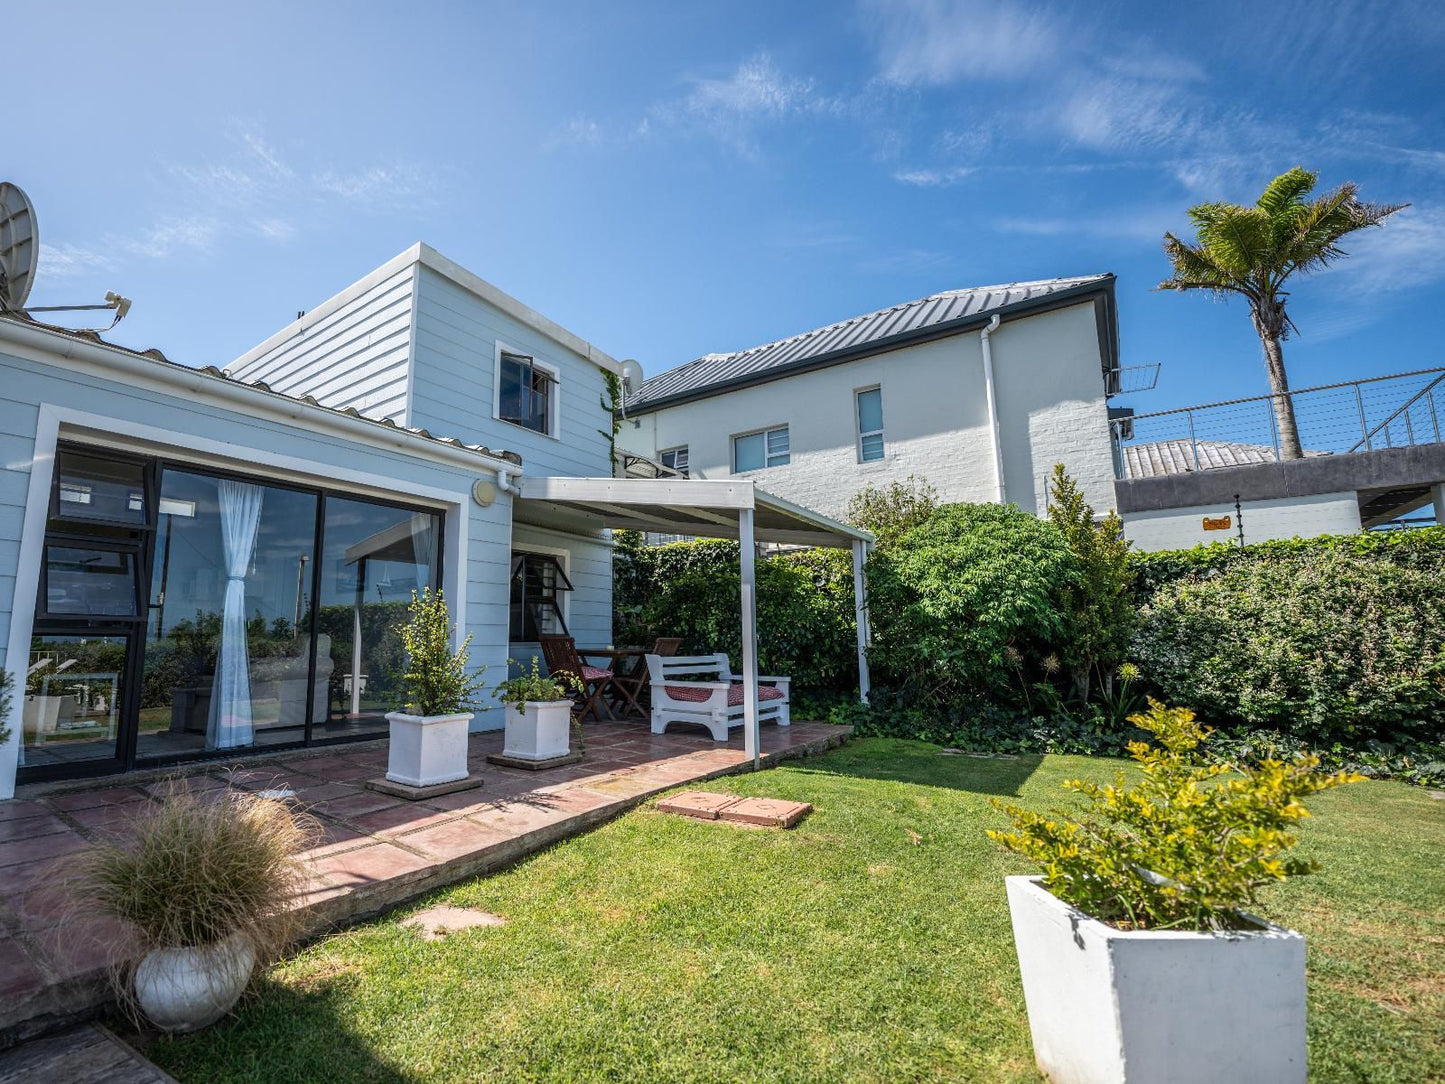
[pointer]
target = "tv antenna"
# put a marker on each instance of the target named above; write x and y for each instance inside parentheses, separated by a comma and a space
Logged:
(20, 255)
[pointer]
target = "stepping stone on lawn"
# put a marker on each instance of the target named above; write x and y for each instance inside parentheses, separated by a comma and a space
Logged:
(768, 812)
(436, 922)
(702, 804)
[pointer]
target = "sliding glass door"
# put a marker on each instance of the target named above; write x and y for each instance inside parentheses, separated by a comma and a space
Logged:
(228, 636)
(185, 612)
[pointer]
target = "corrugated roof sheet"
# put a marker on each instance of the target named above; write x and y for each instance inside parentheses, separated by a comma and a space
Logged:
(870, 329)
(1161, 457)
(155, 355)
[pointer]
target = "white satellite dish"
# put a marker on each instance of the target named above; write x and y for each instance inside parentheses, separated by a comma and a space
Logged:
(631, 375)
(19, 246)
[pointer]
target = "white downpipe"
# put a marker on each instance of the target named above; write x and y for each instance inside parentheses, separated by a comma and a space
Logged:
(505, 484)
(747, 552)
(983, 339)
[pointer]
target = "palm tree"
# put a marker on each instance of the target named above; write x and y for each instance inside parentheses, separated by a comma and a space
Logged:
(1252, 251)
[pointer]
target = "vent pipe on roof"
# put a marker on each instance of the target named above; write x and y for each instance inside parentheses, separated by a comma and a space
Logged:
(1001, 493)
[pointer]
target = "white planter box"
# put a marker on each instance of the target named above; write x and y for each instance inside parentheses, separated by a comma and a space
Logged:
(1109, 1006)
(427, 750)
(542, 732)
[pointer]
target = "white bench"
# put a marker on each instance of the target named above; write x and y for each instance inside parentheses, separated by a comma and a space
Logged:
(678, 697)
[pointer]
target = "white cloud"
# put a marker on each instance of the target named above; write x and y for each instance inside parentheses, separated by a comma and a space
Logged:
(384, 183)
(196, 232)
(63, 261)
(1407, 252)
(1144, 224)
(931, 42)
(932, 178)
(579, 132)
(905, 261)
(274, 229)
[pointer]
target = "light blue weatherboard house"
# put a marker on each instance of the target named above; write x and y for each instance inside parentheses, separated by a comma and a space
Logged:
(197, 563)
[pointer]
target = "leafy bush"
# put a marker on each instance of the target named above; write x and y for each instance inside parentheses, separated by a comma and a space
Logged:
(1319, 643)
(967, 601)
(436, 680)
(7, 683)
(806, 625)
(1423, 550)
(1183, 846)
(196, 869)
(891, 511)
(1101, 607)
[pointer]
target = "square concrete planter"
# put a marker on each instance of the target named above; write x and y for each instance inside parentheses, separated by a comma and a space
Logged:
(542, 732)
(1110, 1006)
(427, 750)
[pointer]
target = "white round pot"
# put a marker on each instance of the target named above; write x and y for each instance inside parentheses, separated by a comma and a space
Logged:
(541, 731)
(427, 750)
(183, 989)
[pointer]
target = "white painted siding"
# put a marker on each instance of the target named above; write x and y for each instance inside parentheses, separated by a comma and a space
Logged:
(454, 382)
(1050, 391)
(202, 430)
(1283, 517)
(353, 353)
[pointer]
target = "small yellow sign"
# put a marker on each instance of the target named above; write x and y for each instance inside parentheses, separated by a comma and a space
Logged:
(1217, 523)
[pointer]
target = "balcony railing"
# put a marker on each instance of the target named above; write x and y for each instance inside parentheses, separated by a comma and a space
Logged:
(1394, 411)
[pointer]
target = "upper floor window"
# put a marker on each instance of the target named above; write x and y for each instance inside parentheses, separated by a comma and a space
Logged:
(754, 451)
(870, 424)
(526, 392)
(676, 458)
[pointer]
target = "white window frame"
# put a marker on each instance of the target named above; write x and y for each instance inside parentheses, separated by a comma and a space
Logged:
(858, 424)
(554, 400)
(767, 456)
(665, 452)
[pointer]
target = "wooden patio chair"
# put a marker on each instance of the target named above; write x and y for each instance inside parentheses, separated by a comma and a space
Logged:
(560, 653)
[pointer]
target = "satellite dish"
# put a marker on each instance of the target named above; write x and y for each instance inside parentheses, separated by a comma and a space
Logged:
(19, 246)
(631, 375)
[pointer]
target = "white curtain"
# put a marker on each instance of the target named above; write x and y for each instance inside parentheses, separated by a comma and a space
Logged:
(230, 720)
(423, 546)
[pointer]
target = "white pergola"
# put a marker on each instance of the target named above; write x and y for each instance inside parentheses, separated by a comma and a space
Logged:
(732, 508)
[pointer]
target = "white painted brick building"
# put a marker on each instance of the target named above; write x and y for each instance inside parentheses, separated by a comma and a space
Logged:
(802, 416)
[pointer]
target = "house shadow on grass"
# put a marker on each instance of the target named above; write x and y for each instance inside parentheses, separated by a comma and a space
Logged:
(280, 1035)
(927, 765)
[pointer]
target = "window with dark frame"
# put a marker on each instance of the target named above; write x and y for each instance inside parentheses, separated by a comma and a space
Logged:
(525, 393)
(675, 458)
(537, 585)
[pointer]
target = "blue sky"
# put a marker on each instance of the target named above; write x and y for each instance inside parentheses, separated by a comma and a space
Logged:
(668, 179)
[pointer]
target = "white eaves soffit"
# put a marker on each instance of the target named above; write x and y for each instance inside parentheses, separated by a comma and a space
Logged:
(702, 507)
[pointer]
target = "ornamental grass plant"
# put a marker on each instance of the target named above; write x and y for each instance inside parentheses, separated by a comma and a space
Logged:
(1188, 845)
(196, 868)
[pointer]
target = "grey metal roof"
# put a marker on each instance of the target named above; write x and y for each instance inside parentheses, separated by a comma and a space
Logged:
(855, 335)
(1158, 458)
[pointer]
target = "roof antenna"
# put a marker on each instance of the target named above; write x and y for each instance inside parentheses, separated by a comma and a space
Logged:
(20, 255)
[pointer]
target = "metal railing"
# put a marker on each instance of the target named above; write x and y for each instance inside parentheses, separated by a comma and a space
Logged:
(1394, 411)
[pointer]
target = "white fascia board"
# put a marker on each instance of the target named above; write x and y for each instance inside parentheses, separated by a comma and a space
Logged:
(677, 492)
(500, 299)
(423, 254)
(107, 362)
(764, 499)
(305, 323)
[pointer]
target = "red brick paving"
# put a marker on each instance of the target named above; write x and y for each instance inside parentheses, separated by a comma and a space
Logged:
(374, 853)
(702, 804)
(770, 812)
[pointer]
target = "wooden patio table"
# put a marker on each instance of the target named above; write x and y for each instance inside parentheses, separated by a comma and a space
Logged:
(628, 682)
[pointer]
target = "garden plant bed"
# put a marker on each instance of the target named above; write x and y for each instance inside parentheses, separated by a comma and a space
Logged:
(644, 949)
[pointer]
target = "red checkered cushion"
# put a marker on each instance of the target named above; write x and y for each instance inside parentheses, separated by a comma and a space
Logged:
(592, 673)
(695, 695)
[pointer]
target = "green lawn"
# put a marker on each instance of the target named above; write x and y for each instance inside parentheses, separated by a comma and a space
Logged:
(870, 943)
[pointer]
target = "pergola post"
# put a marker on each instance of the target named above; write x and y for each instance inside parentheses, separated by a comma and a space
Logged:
(747, 555)
(860, 609)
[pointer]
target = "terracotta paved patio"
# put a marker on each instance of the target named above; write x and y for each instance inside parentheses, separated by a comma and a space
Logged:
(377, 851)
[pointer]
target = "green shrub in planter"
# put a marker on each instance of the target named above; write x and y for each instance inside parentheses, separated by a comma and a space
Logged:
(1321, 644)
(536, 688)
(436, 680)
(1186, 846)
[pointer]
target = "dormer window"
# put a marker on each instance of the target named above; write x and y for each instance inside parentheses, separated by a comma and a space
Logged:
(525, 392)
